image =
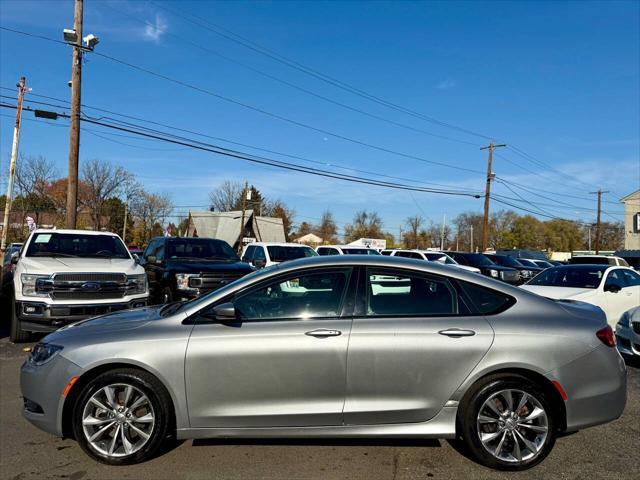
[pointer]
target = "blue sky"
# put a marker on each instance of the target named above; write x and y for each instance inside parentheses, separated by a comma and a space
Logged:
(558, 80)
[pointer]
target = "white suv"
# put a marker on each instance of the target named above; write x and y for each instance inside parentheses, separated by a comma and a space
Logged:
(62, 276)
(345, 250)
(265, 254)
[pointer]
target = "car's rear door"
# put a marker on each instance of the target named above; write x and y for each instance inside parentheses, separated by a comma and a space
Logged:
(412, 344)
(283, 363)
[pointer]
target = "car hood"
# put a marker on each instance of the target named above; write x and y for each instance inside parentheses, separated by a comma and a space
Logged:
(104, 324)
(561, 292)
(76, 265)
(188, 266)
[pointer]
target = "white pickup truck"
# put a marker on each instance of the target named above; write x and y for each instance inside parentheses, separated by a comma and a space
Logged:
(62, 276)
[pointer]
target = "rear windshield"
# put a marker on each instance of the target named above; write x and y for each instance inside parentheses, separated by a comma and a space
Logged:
(591, 261)
(280, 253)
(359, 251)
(569, 277)
(478, 259)
(76, 245)
(200, 249)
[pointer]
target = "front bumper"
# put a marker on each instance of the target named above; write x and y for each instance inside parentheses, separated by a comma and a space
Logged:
(596, 388)
(43, 317)
(628, 341)
(42, 387)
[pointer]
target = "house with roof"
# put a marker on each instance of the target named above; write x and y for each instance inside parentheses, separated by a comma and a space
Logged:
(631, 252)
(235, 228)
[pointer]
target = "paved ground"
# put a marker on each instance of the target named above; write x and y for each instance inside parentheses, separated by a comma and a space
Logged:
(605, 452)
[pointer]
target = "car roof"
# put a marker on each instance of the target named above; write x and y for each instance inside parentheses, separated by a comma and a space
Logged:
(586, 266)
(73, 232)
(595, 256)
(346, 246)
(277, 244)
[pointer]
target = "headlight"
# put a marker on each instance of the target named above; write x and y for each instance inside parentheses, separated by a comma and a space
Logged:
(29, 285)
(137, 283)
(43, 352)
(625, 320)
(182, 281)
(494, 273)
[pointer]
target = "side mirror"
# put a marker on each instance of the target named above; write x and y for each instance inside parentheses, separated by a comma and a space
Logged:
(14, 258)
(259, 263)
(136, 258)
(613, 288)
(224, 312)
(152, 259)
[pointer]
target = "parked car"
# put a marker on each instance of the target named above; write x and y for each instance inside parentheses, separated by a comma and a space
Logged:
(63, 276)
(487, 267)
(628, 332)
(598, 260)
(429, 255)
(266, 356)
(345, 250)
(13, 249)
(541, 263)
(180, 268)
(265, 254)
(527, 272)
(614, 289)
(522, 253)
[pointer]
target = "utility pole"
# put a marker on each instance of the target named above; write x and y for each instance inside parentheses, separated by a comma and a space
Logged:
(124, 227)
(244, 207)
(487, 194)
(444, 223)
(12, 166)
(599, 193)
(471, 248)
(74, 132)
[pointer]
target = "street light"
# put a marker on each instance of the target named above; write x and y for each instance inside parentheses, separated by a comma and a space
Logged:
(71, 38)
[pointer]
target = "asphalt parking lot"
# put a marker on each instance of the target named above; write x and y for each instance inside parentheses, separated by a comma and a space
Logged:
(605, 452)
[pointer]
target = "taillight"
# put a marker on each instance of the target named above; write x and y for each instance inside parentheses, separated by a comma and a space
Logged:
(606, 336)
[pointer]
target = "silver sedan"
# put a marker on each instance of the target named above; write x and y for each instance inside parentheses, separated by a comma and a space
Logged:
(344, 346)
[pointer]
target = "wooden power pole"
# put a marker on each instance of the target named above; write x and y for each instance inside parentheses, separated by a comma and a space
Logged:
(12, 165)
(74, 132)
(599, 193)
(245, 194)
(487, 195)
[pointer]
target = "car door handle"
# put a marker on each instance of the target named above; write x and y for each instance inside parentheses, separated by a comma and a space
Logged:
(457, 332)
(323, 332)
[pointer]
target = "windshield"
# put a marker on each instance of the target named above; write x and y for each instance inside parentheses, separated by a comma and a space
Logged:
(359, 251)
(589, 261)
(282, 253)
(56, 244)
(478, 259)
(200, 249)
(527, 263)
(506, 261)
(569, 277)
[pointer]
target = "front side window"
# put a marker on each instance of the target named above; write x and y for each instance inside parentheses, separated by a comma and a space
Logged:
(328, 251)
(248, 254)
(400, 293)
(305, 296)
(259, 254)
(56, 244)
(409, 255)
(282, 253)
(200, 249)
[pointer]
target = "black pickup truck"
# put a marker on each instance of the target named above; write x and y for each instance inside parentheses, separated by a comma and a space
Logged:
(181, 268)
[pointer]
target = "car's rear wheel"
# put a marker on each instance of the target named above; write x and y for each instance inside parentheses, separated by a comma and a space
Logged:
(508, 424)
(16, 334)
(122, 417)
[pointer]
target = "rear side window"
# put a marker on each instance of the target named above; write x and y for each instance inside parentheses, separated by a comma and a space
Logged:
(386, 253)
(405, 294)
(486, 301)
(633, 279)
(409, 255)
(327, 251)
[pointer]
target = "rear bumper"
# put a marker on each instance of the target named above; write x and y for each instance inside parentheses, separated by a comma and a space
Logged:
(43, 317)
(596, 388)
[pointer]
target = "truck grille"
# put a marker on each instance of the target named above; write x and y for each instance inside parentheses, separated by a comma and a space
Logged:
(209, 281)
(510, 276)
(85, 286)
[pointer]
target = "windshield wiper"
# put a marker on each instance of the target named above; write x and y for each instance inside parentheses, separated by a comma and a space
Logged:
(53, 255)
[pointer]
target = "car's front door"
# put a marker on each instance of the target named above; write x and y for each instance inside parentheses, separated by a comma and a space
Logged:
(412, 344)
(282, 363)
(625, 296)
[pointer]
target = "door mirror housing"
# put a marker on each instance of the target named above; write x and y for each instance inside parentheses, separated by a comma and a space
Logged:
(225, 312)
(14, 258)
(136, 258)
(259, 263)
(613, 288)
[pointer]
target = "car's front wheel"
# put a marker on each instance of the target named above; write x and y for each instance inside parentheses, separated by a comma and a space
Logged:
(122, 417)
(508, 424)
(16, 333)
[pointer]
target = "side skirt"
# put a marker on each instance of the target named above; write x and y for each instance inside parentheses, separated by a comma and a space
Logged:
(443, 425)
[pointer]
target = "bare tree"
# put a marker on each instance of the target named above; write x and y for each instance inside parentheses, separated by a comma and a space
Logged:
(103, 181)
(33, 174)
(365, 225)
(149, 211)
(225, 197)
(414, 224)
(327, 230)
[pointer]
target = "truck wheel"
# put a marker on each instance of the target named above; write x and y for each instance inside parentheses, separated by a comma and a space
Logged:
(16, 334)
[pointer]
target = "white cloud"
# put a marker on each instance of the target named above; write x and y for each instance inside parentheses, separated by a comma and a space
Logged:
(446, 84)
(155, 31)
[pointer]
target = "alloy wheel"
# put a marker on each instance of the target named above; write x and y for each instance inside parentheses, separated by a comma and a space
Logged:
(118, 420)
(512, 426)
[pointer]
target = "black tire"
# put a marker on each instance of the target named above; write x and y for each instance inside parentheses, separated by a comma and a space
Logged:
(166, 296)
(160, 402)
(16, 334)
(468, 421)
